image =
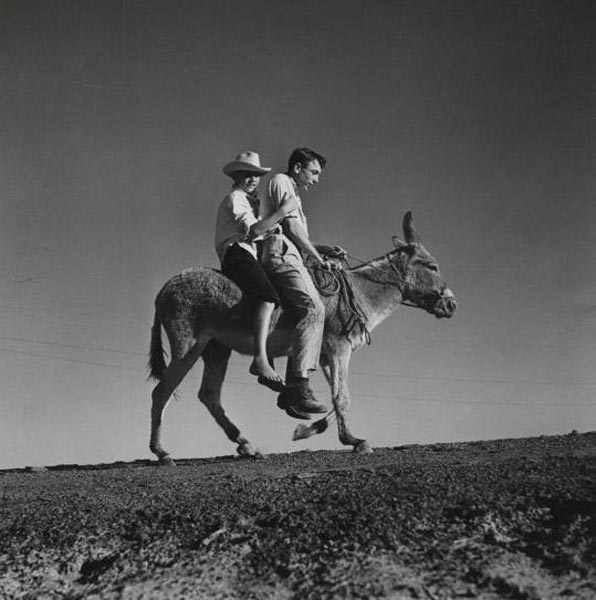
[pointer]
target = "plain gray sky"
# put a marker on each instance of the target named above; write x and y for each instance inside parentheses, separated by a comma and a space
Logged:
(116, 118)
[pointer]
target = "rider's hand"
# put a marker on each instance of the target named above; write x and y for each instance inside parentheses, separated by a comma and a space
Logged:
(330, 265)
(338, 252)
(335, 252)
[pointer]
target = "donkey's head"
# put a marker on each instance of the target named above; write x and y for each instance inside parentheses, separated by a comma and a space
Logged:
(419, 274)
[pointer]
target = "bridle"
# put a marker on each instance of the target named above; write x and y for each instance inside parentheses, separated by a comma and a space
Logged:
(337, 282)
(405, 287)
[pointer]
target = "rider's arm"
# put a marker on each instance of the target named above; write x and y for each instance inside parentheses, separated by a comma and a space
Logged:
(287, 205)
(297, 234)
(240, 211)
(280, 191)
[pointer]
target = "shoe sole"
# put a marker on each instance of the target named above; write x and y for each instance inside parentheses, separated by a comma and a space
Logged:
(296, 414)
(276, 386)
(293, 412)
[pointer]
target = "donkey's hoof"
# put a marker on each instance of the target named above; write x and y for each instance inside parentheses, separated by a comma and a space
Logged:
(246, 450)
(303, 432)
(167, 461)
(363, 447)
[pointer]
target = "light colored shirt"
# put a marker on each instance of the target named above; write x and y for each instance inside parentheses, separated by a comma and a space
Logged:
(235, 216)
(281, 185)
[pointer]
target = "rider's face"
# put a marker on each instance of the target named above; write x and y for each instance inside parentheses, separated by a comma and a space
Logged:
(308, 175)
(247, 181)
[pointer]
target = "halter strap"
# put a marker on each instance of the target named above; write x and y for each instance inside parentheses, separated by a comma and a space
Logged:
(401, 281)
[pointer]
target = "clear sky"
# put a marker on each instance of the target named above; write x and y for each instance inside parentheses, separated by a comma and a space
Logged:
(115, 121)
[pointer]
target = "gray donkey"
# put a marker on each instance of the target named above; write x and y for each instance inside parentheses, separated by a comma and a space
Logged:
(204, 315)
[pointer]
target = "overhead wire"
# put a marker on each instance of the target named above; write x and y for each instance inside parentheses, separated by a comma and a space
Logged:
(248, 383)
(352, 372)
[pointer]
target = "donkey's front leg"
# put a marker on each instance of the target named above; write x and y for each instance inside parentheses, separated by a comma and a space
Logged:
(338, 355)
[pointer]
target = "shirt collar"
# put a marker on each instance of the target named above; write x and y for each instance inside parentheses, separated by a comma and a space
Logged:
(293, 182)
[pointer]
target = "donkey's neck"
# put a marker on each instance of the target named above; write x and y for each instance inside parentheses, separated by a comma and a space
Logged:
(378, 290)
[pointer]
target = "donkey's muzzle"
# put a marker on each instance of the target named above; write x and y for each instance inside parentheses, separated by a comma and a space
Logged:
(446, 305)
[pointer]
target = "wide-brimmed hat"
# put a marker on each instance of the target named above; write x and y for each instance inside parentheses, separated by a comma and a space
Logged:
(246, 161)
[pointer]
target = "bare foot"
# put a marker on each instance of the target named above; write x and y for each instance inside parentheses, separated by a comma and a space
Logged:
(266, 375)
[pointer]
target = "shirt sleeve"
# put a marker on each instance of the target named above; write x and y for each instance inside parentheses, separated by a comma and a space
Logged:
(278, 187)
(242, 213)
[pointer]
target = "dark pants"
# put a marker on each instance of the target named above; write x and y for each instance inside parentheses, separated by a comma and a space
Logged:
(246, 271)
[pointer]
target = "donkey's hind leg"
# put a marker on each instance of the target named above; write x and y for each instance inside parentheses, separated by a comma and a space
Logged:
(175, 373)
(216, 357)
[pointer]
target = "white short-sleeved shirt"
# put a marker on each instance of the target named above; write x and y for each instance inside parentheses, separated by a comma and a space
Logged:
(279, 186)
(235, 217)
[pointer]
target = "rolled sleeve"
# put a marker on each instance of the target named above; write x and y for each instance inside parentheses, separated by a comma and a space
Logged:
(279, 186)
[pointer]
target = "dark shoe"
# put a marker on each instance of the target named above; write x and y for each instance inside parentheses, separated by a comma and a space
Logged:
(291, 411)
(299, 401)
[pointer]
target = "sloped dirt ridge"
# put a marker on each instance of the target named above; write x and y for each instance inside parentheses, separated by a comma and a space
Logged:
(498, 519)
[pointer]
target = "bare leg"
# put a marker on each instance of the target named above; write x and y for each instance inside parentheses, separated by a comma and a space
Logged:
(215, 357)
(260, 365)
(161, 394)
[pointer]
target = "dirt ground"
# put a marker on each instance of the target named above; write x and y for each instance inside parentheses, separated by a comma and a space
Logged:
(500, 519)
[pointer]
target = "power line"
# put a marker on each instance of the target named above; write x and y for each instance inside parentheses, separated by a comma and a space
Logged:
(352, 394)
(470, 402)
(73, 346)
(474, 379)
(71, 360)
(68, 314)
(352, 372)
(99, 364)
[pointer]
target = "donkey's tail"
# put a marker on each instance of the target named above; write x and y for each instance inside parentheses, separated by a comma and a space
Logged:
(157, 362)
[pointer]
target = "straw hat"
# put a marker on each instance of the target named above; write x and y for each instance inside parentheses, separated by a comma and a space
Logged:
(246, 161)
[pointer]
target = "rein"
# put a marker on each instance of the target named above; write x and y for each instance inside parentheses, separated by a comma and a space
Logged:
(337, 282)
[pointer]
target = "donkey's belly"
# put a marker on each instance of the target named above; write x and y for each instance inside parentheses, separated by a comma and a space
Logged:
(278, 342)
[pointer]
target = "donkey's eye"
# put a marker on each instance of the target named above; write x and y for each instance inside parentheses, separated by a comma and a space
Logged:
(433, 268)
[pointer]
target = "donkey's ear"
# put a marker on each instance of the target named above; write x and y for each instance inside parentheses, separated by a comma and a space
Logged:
(410, 233)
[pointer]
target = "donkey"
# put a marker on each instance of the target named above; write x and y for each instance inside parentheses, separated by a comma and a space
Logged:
(205, 315)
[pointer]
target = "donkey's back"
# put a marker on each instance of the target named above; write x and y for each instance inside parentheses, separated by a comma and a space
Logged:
(199, 291)
(201, 304)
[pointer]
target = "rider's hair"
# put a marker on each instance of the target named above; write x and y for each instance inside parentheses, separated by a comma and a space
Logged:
(303, 156)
